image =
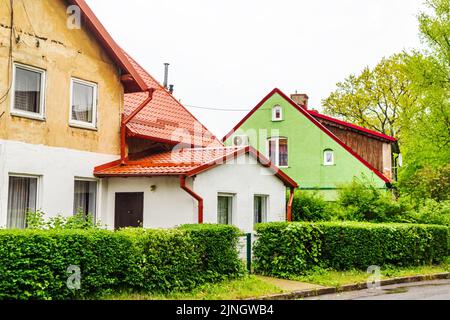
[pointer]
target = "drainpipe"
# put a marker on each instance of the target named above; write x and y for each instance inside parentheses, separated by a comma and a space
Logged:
(195, 196)
(125, 121)
(289, 207)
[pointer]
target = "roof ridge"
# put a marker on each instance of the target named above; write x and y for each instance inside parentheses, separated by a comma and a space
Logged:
(352, 125)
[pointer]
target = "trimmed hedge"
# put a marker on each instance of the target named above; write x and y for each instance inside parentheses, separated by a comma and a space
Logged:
(34, 264)
(284, 249)
(217, 243)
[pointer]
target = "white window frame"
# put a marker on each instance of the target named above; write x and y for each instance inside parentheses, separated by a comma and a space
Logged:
(232, 199)
(82, 124)
(38, 189)
(325, 160)
(265, 210)
(22, 113)
(245, 138)
(97, 189)
(274, 113)
(277, 150)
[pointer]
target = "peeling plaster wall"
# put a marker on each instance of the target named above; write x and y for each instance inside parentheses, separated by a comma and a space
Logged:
(63, 53)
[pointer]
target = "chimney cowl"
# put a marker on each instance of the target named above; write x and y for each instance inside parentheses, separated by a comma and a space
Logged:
(301, 99)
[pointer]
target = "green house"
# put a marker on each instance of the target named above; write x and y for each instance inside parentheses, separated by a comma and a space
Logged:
(317, 151)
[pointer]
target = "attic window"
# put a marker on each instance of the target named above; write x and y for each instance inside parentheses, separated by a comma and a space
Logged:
(277, 113)
(328, 157)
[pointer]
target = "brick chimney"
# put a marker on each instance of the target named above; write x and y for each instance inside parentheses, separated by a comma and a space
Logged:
(301, 99)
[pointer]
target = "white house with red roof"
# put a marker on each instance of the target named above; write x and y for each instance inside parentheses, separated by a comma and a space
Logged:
(84, 128)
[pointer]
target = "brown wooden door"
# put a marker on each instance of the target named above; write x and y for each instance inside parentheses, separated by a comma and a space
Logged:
(129, 210)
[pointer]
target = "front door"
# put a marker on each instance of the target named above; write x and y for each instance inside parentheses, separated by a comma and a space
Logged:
(129, 210)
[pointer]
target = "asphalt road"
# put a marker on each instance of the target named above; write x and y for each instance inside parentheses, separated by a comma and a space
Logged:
(427, 290)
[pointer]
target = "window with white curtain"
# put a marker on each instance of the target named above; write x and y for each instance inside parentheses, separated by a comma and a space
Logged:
(83, 105)
(85, 197)
(278, 152)
(22, 198)
(260, 208)
(225, 209)
(28, 92)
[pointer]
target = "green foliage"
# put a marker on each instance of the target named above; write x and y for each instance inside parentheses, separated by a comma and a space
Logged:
(79, 221)
(432, 212)
(285, 249)
(361, 200)
(218, 243)
(426, 183)
(376, 97)
(34, 263)
(310, 207)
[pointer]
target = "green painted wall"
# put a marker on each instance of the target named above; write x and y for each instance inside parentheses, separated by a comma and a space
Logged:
(306, 144)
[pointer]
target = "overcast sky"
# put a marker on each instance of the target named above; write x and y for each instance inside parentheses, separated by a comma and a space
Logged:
(229, 54)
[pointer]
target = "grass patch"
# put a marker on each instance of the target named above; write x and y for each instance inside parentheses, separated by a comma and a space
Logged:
(331, 278)
(247, 287)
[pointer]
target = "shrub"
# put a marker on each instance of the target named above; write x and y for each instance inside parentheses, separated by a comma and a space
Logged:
(79, 221)
(284, 249)
(361, 200)
(433, 212)
(310, 207)
(426, 182)
(168, 261)
(218, 247)
(34, 263)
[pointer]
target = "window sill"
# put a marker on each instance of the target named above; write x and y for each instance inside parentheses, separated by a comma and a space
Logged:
(82, 126)
(274, 120)
(30, 116)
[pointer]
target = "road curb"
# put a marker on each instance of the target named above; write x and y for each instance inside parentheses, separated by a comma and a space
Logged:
(351, 287)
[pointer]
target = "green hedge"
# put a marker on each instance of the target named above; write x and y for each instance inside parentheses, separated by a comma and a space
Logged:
(284, 249)
(33, 264)
(217, 243)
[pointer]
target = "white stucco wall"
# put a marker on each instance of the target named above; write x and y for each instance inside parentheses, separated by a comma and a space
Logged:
(56, 168)
(166, 207)
(243, 178)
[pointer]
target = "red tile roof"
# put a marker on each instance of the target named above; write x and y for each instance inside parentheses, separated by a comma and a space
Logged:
(165, 118)
(185, 162)
(369, 132)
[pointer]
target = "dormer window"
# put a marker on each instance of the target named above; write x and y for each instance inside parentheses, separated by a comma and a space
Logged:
(328, 157)
(277, 113)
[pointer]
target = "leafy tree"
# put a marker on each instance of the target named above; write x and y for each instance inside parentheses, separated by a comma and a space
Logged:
(375, 98)
(426, 132)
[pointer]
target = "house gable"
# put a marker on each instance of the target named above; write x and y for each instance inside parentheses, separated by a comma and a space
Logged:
(87, 54)
(307, 141)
